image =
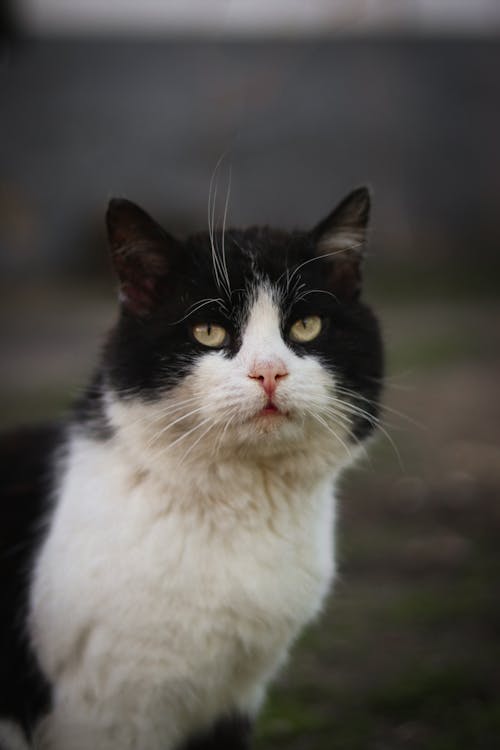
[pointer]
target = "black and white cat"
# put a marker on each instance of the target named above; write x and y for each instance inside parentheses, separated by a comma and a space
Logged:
(157, 575)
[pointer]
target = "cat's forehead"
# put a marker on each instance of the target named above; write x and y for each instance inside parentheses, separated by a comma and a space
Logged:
(244, 261)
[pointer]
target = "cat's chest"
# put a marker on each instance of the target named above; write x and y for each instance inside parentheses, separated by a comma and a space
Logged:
(244, 544)
(154, 581)
(184, 580)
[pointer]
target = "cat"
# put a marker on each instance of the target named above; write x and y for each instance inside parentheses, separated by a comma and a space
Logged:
(167, 544)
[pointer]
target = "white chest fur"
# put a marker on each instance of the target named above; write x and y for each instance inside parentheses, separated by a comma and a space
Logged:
(157, 607)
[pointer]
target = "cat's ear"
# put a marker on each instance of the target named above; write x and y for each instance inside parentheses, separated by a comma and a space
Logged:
(140, 251)
(341, 239)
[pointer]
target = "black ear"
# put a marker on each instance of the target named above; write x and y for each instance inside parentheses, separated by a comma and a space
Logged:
(341, 239)
(141, 251)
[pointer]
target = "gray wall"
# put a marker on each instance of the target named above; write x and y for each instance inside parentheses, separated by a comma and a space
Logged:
(300, 123)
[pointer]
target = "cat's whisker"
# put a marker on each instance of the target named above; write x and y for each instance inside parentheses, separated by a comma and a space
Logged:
(392, 380)
(348, 408)
(172, 424)
(224, 430)
(218, 262)
(198, 306)
(200, 437)
(384, 407)
(294, 292)
(366, 415)
(287, 283)
(337, 400)
(224, 259)
(212, 200)
(161, 414)
(342, 420)
(332, 431)
(320, 257)
(347, 423)
(148, 420)
(189, 432)
(314, 291)
(166, 448)
(336, 415)
(195, 443)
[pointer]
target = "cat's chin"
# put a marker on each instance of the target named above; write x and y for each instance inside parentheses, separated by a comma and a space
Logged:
(267, 431)
(269, 420)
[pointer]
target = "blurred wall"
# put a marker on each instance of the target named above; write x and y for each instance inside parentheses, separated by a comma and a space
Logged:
(300, 123)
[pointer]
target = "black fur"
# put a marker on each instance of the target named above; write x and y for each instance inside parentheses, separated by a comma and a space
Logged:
(25, 483)
(232, 733)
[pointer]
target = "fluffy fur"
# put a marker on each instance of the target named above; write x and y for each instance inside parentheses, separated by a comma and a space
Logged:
(190, 537)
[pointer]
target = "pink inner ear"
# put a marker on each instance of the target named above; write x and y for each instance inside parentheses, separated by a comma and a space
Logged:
(138, 296)
(346, 277)
(139, 270)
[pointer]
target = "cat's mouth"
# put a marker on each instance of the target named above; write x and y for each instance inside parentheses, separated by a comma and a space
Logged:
(271, 410)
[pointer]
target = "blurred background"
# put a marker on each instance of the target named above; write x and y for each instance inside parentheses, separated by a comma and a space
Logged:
(305, 100)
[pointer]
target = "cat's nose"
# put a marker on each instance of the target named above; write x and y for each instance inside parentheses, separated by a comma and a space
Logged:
(268, 373)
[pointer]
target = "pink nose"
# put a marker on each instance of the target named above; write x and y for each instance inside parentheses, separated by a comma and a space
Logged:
(268, 373)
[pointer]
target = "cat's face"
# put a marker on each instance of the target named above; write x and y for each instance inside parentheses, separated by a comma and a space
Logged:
(253, 341)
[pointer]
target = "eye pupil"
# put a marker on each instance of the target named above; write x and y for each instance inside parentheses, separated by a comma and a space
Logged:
(211, 335)
(306, 329)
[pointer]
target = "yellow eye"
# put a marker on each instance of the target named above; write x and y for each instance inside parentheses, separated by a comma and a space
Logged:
(210, 335)
(306, 329)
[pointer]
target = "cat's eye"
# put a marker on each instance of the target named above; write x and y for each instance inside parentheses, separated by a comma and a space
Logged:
(210, 335)
(306, 329)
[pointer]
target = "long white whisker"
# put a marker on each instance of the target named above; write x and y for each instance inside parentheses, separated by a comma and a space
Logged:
(215, 254)
(343, 420)
(212, 200)
(383, 407)
(221, 436)
(161, 414)
(314, 291)
(224, 260)
(218, 262)
(332, 431)
(164, 449)
(337, 415)
(198, 306)
(380, 427)
(193, 445)
(172, 424)
(189, 432)
(319, 257)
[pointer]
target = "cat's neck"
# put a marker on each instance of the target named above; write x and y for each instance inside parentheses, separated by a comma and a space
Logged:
(238, 476)
(155, 449)
(230, 488)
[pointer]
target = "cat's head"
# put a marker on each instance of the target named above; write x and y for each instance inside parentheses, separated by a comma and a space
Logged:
(253, 340)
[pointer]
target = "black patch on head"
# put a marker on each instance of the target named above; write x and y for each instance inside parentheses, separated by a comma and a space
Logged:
(25, 482)
(230, 733)
(314, 273)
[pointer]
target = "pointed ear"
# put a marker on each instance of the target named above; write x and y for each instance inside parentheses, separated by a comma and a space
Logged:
(341, 238)
(140, 252)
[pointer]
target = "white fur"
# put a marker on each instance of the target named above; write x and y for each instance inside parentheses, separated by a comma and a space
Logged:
(178, 569)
